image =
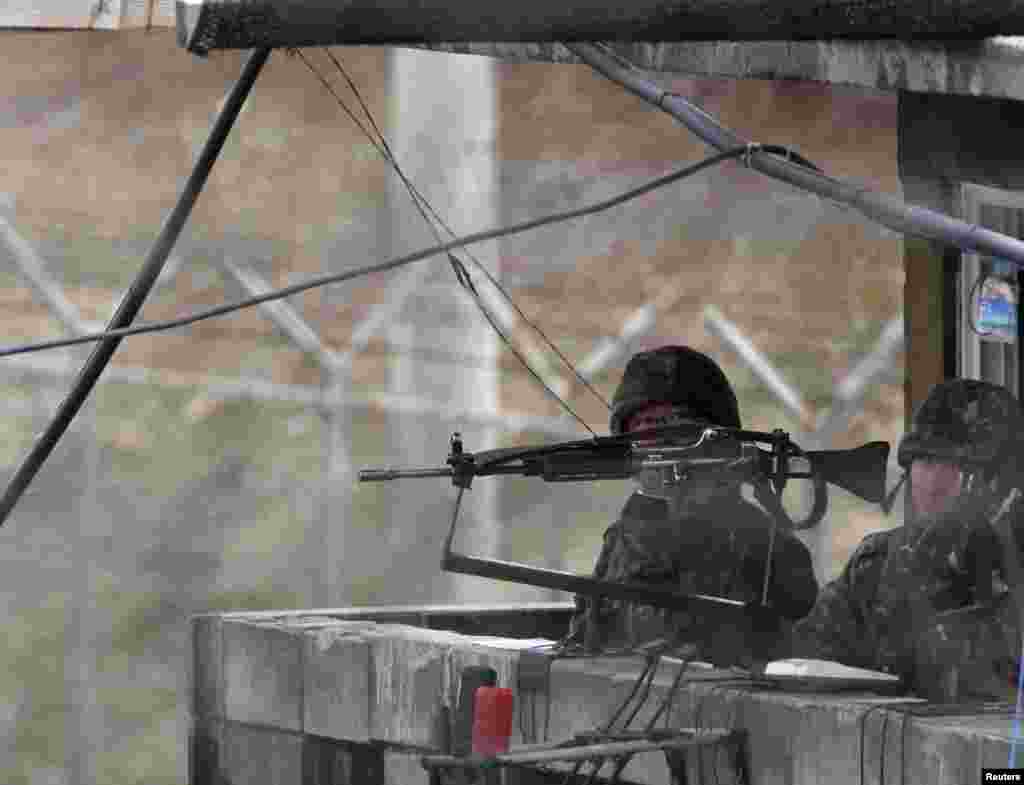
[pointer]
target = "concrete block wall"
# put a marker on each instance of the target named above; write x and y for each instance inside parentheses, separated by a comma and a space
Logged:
(311, 699)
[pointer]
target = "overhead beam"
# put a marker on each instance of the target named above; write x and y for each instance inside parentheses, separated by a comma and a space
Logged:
(242, 24)
(988, 67)
(886, 210)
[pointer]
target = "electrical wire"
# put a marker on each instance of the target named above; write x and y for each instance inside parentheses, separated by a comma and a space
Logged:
(649, 667)
(653, 663)
(423, 206)
(425, 209)
(391, 264)
(418, 195)
(661, 709)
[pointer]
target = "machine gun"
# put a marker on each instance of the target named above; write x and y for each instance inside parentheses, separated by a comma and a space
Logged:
(677, 452)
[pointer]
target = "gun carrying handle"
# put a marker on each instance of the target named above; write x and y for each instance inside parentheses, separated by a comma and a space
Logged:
(772, 502)
(819, 504)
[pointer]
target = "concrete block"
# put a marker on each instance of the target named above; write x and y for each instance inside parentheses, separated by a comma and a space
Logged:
(826, 744)
(771, 741)
(415, 671)
(404, 768)
(940, 757)
(205, 678)
(329, 762)
(260, 756)
(409, 679)
(297, 684)
(994, 753)
(649, 767)
(228, 753)
(263, 674)
(337, 681)
(502, 661)
(583, 696)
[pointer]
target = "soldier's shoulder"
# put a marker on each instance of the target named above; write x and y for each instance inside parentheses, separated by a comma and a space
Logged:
(872, 547)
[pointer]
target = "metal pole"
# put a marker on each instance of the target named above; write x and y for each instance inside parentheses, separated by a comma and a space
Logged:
(848, 397)
(851, 390)
(759, 365)
(286, 318)
(881, 208)
(140, 288)
(255, 389)
(458, 177)
(30, 264)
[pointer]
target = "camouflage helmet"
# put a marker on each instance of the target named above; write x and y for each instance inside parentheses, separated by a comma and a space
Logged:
(679, 376)
(966, 422)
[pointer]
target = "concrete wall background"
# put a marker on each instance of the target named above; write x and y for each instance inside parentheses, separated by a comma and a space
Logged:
(178, 502)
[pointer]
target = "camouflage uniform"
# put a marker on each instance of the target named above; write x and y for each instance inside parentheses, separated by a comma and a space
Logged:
(720, 552)
(929, 601)
(720, 549)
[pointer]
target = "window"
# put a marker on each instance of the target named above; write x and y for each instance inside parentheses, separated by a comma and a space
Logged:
(988, 292)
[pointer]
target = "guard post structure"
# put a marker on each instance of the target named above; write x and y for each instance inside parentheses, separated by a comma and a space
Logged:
(352, 697)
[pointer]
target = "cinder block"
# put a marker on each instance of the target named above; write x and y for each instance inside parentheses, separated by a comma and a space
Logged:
(263, 674)
(259, 756)
(583, 695)
(994, 753)
(329, 762)
(942, 755)
(205, 677)
(337, 682)
(770, 726)
(362, 682)
(827, 743)
(409, 680)
(404, 768)
(503, 662)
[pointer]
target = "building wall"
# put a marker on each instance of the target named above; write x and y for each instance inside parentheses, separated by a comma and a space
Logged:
(944, 142)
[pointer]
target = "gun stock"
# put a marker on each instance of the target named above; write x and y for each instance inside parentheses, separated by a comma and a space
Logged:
(861, 471)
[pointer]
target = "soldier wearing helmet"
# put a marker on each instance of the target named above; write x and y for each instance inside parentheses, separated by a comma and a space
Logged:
(698, 536)
(928, 601)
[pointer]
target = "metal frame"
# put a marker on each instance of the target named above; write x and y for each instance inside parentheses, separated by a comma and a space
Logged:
(333, 391)
(972, 354)
(140, 288)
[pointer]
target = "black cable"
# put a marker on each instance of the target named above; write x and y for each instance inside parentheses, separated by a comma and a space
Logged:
(608, 725)
(730, 724)
(654, 662)
(885, 739)
(698, 715)
(645, 693)
(661, 709)
(417, 194)
(462, 275)
(669, 697)
(863, 737)
(324, 280)
(423, 206)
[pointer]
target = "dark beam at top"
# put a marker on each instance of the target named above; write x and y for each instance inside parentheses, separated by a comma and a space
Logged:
(242, 24)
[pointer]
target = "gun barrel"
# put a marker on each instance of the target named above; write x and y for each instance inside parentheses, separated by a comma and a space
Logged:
(383, 475)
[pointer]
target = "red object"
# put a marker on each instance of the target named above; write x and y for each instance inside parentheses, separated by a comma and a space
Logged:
(492, 720)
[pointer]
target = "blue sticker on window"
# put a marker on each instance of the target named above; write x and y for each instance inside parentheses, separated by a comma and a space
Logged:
(996, 309)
